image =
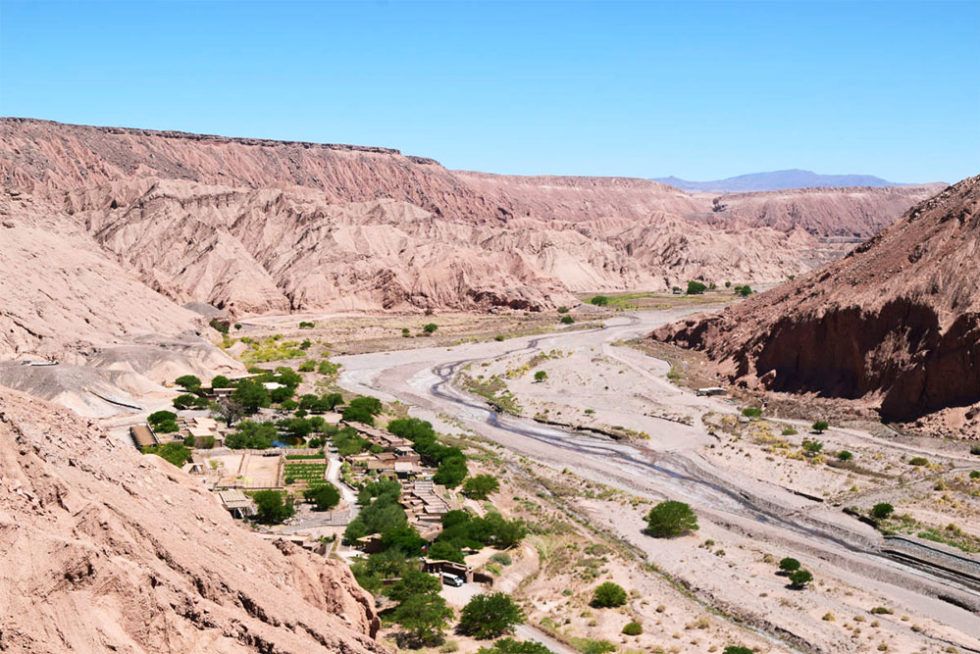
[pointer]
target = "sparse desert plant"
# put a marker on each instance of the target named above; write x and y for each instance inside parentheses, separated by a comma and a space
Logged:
(307, 366)
(882, 510)
(499, 337)
(511, 646)
(669, 519)
(566, 320)
(430, 328)
(975, 474)
(918, 461)
(812, 448)
(975, 450)
(632, 629)
(820, 426)
(480, 487)
(752, 412)
(306, 324)
(406, 332)
(881, 610)
(844, 455)
(608, 595)
(562, 309)
(744, 290)
(738, 649)
(540, 376)
(789, 431)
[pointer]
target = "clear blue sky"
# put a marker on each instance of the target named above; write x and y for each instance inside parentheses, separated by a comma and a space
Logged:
(699, 90)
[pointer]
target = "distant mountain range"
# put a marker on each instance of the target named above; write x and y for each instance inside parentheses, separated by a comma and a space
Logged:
(776, 181)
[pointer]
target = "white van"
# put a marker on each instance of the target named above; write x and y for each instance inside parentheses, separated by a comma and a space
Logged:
(452, 580)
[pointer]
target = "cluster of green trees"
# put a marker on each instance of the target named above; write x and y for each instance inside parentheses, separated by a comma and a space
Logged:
(163, 422)
(461, 530)
(450, 462)
(480, 487)
(670, 519)
(798, 576)
(362, 409)
(272, 507)
(176, 453)
(743, 290)
(694, 287)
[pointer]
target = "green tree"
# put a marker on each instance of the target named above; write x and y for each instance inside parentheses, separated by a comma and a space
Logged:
(413, 582)
(430, 328)
(882, 510)
(442, 550)
(800, 578)
(220, 381)
(511, 646)
(744, 290)
(188, 401)
(540, 376)
(252, 435)
(189, 383)
(163, 422)
(812, 448)
(820, 426)
(450, 472)
(566, 320)
(271, 508)
(738, 649)
(323, 496)
(251, 395)
(480, 487)
(424, 617)
(490, 616)
(695, 287)
(669, 519)
(608, 595)
(844, 455)
(789, 564)
(599, 300)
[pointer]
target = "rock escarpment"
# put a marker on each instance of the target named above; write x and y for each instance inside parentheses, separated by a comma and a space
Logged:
(896, 322)
(105, 550)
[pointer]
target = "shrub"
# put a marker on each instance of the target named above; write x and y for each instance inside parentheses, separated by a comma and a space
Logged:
(975, 450)
(503, 558)
(271, 507)
(323, 496)
(789, 431)
(304, 324)
(745, 290)
(189, 383)
(307, 366)
(812, 448)
(176, 453)
(430, 328)
(820, 426)
(406, 332)
(511, 646)
(800, 578)
(752, 412)
(566, 320)
(608, 595)
(188, 401)
(918, 461)
(164, 422)
(632, 629)
(599, 300)
(562, 309)
(220, 381)
(975, 474)
(490, 616)
(328, 368)
(882, 510)
(219, 325)
(789, 564)
(593, 646)
(738, 649)
(881, 610)
(695, 287)
(480, 487)
(499, 338)
(844, 455)
(540, 376)
(669, 519)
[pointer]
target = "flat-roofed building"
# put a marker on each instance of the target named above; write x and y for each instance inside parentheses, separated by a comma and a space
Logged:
(236, 503)
(142, 436)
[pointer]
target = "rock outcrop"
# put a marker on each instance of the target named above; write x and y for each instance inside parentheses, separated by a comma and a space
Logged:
(105, 550)
(896, 322)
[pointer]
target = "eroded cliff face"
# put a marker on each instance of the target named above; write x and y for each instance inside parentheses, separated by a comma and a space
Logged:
(105, 550)
(896, 322)
(259, 226)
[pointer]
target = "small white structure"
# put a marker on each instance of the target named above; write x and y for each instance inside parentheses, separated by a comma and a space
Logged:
(711, 390)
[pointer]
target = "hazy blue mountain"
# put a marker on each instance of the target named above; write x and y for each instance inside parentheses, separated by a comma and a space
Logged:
(776, 180)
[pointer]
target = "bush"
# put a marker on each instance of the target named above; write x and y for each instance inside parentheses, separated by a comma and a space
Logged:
(608, 595)
(307, 366)
(540, 376)
(430, 328)
(511, 646)
(490, 616)
(306, 344)
(566, 320)
(219, 325)
(633, 629)
(744, 290)
(789, 564)
(562, 309)
(188, 401)
(975, 450)
(176, 453)
(220, 381)
(480, 487)
(406, 332)
(451, 472)
(752, 412)
(503, 558)
(669, 519)
(820, 426)
(271, 507)
(882, 510)
(252, 435)
(306, 324)
(812, 448)
(163, 422)
(918, 461)
(695, 287)
(789, 431)
(189, 383)
(323, 496)
(975, 474)
(738, 649)
(800, 578)
(844, 455)
(599, 300)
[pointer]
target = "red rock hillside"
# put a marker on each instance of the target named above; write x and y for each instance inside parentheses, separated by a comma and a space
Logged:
(897, 321)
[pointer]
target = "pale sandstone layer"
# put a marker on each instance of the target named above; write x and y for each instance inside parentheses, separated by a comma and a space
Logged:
(103, 549)
(896, 322)
(259, 226)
